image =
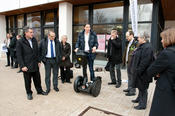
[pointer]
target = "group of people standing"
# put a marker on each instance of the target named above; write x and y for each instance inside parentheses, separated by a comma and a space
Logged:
(138, 57)
(11, 42)
(30, 54)
(142, 65)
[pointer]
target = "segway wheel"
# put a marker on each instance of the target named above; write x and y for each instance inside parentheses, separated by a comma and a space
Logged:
(77, 83)
(95, 91)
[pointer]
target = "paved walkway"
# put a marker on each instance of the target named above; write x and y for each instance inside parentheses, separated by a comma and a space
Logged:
(13, 100)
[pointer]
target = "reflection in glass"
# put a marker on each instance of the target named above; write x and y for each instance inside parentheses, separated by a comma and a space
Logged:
(11, 21)
(46, 31)
(33, 20)
(108, 13)
(144, 12)
(20, 21)
(143, 27)
(11, 31)
(49, 18)
(81, 15)
(20, 32)
(37, 34)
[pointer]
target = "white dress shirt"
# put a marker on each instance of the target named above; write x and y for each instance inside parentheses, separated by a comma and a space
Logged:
(49, 48)
(30, 42)
(86, 41)
(128, 49)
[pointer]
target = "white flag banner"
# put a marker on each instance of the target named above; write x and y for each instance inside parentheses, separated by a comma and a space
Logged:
(134, 20)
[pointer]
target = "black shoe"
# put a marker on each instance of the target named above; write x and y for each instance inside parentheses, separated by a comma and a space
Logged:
(135, 101)
(7, 65)
(42, 93)
(56, 89)
(111, 83)
(15, 66)
(139, 107)
(130, 94)
(126, 90)
(118, 85)
(69, 82)
(47, 92)
(29, 96)
(19, 71)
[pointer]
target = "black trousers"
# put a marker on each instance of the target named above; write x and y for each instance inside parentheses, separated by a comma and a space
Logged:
(8, 57)
(142, 96)
(65, 74)
(51, 65)
(130, 80)
(112, 73)
(36, 79)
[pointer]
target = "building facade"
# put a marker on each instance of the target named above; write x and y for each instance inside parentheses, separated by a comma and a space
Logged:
(67, 17)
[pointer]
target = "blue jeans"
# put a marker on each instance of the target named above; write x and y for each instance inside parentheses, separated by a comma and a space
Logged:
(90, 60)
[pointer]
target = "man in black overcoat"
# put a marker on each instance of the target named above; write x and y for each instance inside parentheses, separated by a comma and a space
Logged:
(114, 56)
(27, 55)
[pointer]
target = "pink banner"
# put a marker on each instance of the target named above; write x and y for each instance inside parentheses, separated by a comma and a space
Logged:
(101, 42)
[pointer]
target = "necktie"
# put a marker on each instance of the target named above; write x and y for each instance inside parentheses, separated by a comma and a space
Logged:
(51, 47)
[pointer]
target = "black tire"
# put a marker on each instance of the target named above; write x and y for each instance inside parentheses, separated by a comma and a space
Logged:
(77, 83)
(95, 91)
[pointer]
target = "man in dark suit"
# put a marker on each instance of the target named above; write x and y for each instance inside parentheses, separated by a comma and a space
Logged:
(50, 55)
(27, 55)
(130, 47)
(114, 56)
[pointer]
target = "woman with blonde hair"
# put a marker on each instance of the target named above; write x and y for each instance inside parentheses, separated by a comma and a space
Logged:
(163, 68)
(65, 64)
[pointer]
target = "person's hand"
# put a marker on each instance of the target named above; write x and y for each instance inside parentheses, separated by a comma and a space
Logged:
(76, 50)
(39, 64)
(93, 49)
(63, 58)
(107, 59)
(24, 69)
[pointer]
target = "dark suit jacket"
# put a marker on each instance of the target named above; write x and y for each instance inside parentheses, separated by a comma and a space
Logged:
(43, 50)
(26, 55)
(131, 49)
(114, 52)
(92, 41)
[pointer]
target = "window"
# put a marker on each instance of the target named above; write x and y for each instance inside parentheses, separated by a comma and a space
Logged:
(49, 18)
(34, 20)
(46, 31)
(144, 17)
(20, 21)
(144, 12)
(11, 22)
(37, 34)
(108, 13)
(81, 14)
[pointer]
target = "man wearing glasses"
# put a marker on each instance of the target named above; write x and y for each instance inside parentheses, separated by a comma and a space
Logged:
(50, 55)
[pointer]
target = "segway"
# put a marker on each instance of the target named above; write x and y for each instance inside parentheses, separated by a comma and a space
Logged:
(92, 88)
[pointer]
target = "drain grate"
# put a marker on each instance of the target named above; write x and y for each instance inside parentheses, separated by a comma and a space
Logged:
(92, 111)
